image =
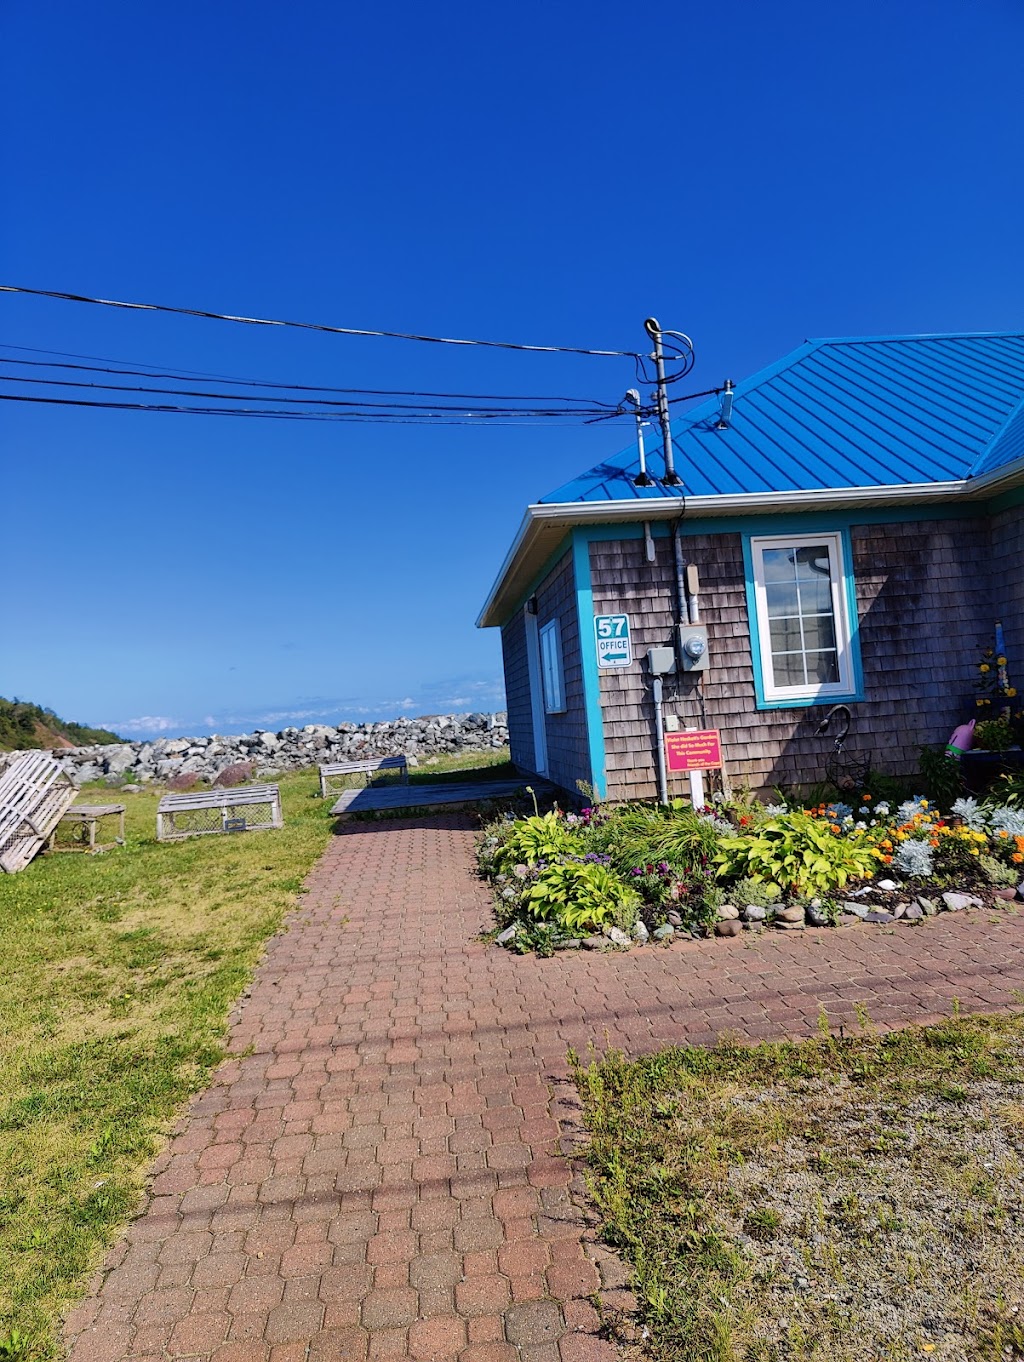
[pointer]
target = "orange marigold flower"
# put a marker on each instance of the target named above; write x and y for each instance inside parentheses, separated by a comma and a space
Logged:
(865, 798)
(887, 860)
(1003, 833)
(1017, 857)
(833, 827)
(934, 842)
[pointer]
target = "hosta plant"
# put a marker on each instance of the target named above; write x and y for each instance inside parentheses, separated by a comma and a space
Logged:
(542, 837)
(798, 853)
(582, 896)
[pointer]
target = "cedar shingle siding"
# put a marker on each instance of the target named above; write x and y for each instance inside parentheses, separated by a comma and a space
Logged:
(1007, 565)
(568, 749)
(926, 607)
(517, 692)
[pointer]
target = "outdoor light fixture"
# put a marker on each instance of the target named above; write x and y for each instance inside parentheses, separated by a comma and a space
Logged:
(531, 606)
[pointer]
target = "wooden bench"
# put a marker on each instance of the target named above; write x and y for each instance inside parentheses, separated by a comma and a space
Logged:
(34, 793)
(82, 822)
(332, 772)
(206, 811)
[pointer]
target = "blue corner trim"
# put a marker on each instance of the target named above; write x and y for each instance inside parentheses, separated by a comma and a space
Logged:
(850, 590)
(588, 661)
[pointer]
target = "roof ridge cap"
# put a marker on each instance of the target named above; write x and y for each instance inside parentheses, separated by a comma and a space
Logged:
(917, 336)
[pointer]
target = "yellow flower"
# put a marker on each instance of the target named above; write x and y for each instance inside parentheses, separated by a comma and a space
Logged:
(984, 667)
(1010, 692)
(1001, 661)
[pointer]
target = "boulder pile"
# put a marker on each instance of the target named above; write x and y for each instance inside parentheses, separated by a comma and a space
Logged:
(270, 754)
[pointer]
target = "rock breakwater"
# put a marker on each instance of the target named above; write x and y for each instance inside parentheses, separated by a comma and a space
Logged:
(270, 754)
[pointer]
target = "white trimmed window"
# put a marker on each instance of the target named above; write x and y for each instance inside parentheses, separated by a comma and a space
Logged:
(803, 623)
(551, 667)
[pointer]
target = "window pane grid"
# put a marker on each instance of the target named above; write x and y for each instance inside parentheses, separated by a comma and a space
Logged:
(797, 586)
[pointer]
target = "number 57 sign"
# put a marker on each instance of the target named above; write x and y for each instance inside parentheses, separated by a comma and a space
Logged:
(611, 633)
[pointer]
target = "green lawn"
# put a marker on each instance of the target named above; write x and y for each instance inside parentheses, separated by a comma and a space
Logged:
(840, 1200)
(493, 765)
(119, 972)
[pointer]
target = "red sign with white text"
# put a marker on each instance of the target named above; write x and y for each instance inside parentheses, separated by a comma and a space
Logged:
(699, 749)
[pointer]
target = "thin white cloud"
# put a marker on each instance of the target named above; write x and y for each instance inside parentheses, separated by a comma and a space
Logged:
(146, 723)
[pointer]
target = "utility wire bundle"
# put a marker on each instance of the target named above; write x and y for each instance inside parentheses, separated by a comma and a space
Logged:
(53, 381)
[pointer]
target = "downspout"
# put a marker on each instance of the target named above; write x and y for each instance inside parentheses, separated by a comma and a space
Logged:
(659, 728)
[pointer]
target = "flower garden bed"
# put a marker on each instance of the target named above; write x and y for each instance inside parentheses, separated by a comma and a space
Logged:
(647, 875)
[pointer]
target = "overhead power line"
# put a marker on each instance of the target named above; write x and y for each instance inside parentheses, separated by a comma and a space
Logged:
(306, 401)
(189, 375)
(393, 418)
(313, 326)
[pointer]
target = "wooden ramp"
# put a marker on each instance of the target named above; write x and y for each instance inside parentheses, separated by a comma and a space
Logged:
(458, 795)
(34, 795)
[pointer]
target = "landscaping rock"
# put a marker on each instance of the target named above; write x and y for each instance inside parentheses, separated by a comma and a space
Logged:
(619, 938)
(860, 910)
(927, 906)
(790, 915)
(640, 933)
(790, 926)
(818, 916)
(572, 943)
(1020, 889)
(754, 913)
(509, 934)
(879, 915)
(957, 902)
(888, 885)
(594, 943)
(674, 919)
(727, 913)
(291, 749)
(1006, 892)
(665, 933)
(898, 909)
(913, 914)
(849, 919)
(731, 927)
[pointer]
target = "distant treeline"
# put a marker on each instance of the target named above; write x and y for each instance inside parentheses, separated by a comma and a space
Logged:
(23, 725)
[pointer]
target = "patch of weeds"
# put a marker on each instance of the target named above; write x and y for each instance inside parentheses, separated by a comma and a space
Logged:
(768, 1196)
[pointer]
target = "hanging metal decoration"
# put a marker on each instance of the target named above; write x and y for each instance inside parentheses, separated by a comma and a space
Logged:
(848, 773)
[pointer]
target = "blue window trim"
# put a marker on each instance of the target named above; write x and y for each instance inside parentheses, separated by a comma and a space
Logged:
(853, 622)
(588, 657)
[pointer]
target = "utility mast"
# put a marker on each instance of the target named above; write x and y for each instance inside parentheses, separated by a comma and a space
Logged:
(672, 478)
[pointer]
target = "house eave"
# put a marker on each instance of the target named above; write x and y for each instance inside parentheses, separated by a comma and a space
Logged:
(545, 524)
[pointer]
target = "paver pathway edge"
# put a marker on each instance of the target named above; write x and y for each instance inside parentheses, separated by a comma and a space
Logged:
(377, 1173)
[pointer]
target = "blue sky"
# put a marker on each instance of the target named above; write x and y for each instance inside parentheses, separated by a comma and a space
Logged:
(554, 173)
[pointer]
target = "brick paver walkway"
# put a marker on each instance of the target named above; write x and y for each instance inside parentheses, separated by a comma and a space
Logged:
(376, 1174)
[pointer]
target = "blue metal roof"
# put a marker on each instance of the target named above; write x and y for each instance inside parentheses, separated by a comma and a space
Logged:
(875, 411)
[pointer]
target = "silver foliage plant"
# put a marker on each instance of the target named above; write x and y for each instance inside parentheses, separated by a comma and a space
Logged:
(914, 859)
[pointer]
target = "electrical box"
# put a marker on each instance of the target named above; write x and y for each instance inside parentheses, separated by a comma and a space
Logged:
(661, 660)
(693, 647)
(671, 723)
